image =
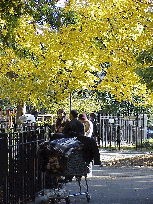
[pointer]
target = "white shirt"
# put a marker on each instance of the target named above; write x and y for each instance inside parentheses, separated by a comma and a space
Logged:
(90, 130)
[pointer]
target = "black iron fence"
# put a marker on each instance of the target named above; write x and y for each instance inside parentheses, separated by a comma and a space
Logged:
(3, 167)
(116, 130)
(20, 174)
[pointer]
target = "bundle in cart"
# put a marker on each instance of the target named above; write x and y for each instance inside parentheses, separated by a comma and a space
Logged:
(63, 156)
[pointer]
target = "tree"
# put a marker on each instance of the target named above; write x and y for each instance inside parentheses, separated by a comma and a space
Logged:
(42, 11)
(62, 60)
(145, 67)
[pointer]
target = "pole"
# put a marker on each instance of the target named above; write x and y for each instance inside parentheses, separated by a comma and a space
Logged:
(100, 128)
(137, 131)
(70, 101)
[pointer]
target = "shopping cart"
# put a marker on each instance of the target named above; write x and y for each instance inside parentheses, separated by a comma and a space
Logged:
(63, 159)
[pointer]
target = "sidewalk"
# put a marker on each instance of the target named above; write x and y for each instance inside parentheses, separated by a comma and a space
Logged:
(109, 185)
(124, 185)
(116, 185)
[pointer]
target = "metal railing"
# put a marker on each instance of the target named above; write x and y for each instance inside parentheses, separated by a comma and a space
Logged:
(21, 176)
(116, 131)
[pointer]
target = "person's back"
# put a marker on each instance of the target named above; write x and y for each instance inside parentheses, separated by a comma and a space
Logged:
(74, 127)
(95, 128)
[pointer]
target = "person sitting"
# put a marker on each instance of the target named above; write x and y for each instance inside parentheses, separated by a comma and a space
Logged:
(74, 127)
(88, 125)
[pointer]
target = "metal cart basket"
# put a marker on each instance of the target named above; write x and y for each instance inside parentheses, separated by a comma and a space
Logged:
(64, 158)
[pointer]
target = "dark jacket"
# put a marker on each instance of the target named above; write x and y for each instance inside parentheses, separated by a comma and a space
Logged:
(74, 128)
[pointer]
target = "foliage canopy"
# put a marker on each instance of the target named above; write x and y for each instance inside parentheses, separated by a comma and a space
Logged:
(43, 64)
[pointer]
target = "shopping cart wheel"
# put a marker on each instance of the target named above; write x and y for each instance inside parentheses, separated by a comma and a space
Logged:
(67, 200)
(88, 198)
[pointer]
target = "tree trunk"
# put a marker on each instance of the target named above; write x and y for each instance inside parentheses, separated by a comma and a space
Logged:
(20, 107)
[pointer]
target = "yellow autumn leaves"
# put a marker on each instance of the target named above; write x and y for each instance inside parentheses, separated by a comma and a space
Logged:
(59, 62)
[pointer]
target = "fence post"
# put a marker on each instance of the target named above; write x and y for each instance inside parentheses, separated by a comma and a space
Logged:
(118, 137)
(106, 133)
(103, 132)
(100, 127)
(137, 125)
(3, 167)
(130, 130)
(141, 137)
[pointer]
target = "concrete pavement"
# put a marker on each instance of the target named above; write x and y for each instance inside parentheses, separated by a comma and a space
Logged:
(109, 185)
(130, 185)
(116, 185)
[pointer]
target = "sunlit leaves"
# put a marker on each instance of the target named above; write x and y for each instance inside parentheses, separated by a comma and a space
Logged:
(51, 63)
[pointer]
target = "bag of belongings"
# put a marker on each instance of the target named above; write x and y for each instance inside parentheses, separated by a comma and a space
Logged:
(63, 156)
